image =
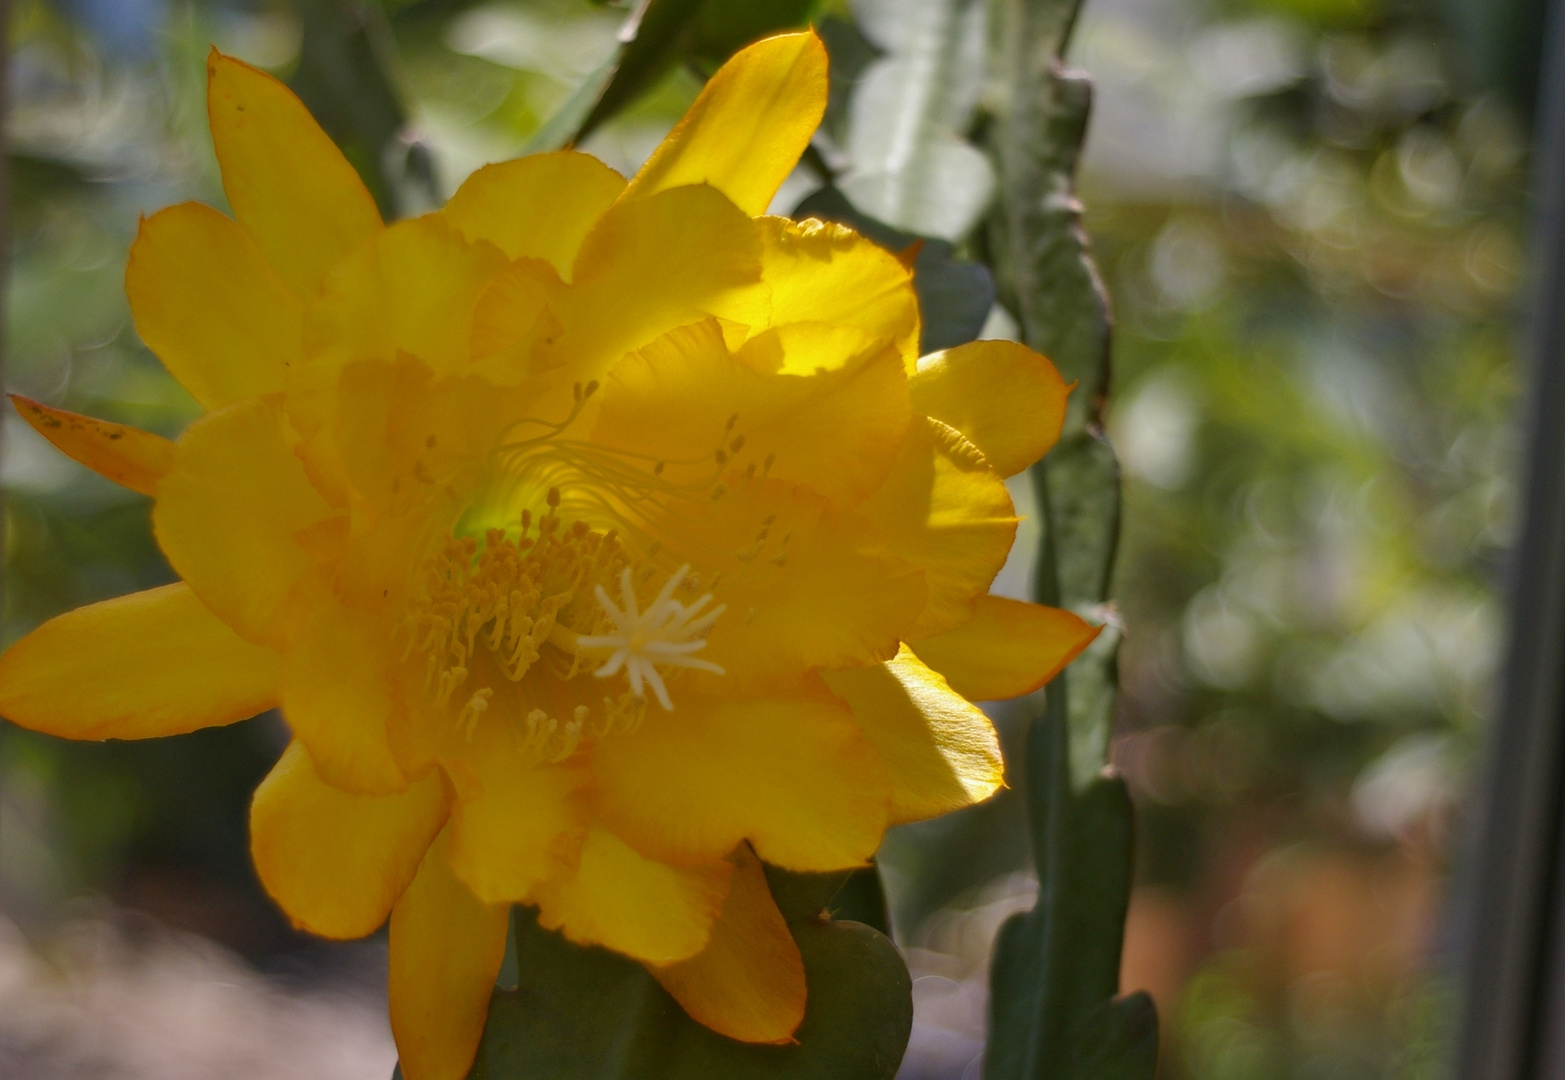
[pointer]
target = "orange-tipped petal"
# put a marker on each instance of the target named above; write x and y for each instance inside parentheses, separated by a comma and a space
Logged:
(748, 983)
(130, 457)
(446, 948)
(210, 306)
(940, 749)
(286, 180)
(151, 663)
(1008, 400)
(1008, 648)
(336, 862)
(747, 129)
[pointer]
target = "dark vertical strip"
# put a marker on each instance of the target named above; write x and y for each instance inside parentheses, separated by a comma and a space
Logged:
(5, 236)
(1514, 996)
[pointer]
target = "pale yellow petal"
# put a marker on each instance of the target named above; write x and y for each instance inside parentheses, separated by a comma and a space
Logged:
(288, 183)
(792, 774)
(1006, 649)
(151, 663)
(655, 263)
(835, 428)
(748, 983)
(336, 862)
(748, 127)
(537, 207)
(819, 272)
(627, 902)
(941, 750)
(229, 513)
(946, 512)
(1008, 400)
(210, 306)
(130, 457)
(446, 948)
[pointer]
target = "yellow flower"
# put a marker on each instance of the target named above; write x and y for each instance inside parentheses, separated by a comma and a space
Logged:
(597, 540)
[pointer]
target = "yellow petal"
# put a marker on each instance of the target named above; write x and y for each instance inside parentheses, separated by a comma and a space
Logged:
(336, 862)
(652, 264)
(411, 291)
(1008, 648)
(835, 431)
(800, 588)
(337, 694)
(537, 207)
(748, 983)
(151, 663)
(446, 948)
(130, 457)
(794, 775)
(816, 271)
(210, 306)
(1008, 400)
(288, 183)
(946, 512)
(635, 905)
(941, 750)
(229, 511)
(746, 130)
(515, 325)
(400, 428)
(523, 823)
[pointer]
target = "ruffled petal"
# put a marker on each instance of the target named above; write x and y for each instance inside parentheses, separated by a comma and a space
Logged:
(210, 306)
(446, 949)
(748, 127)
(1008, 400)
(940, 749)
(337, 693)
(411, 291)
(130, 457)
(820, 272)
(946, 512)
(229, 514)
(1006, 649)
(518, 821)
(627, 902)
(794, 775)
(336, 862)
(685, 398)
(288, 183)
(151, 663)
(537, 207)
(748, 983)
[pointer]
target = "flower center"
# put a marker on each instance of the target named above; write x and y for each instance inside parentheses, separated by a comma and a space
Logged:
(665, 634)
(493, 630)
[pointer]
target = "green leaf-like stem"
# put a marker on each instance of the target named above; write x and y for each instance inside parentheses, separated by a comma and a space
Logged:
(580, 1013)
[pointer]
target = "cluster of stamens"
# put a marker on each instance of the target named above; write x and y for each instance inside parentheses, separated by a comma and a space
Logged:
(494, 607)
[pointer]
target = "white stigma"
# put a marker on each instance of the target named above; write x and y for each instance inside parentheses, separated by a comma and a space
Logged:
(666, 633)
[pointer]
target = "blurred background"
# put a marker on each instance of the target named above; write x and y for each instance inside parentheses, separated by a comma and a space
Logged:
(1310, 216)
